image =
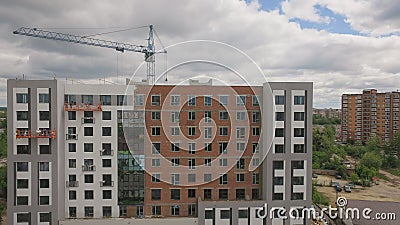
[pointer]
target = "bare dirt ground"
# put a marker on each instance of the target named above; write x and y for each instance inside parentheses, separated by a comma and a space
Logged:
(384, 191)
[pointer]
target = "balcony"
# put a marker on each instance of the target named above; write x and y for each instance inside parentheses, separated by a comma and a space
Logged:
(86, 168)
(82, 107)
(36, 134)
(73, 183)
(71, 137)
(106, 152)
(106, 183)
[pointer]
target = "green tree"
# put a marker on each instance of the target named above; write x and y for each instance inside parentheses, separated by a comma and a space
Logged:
(354, 178)
(371, 160)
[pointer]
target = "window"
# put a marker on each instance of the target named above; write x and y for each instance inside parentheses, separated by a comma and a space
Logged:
(279, 132)
(156, 194)
(207, 177)
(299, 148)
(240, 146)
(22, 115)
(71, 163)
(240, 194)
(255, 162)
(207, 116)
(191, 131)
(72, 147)
(298, 116)
(241, 115)
(22, 98)
(71, 115)
(191, 193)
(121, 100)
(139, 100)
(207, 132)
(156, 210)
(191, 210)
(72, 195)
(106, 115)
(156, 148)
(175, 210)
(240, 177)
(255, 131)
(175, 117)
(223, 147)
(44, 115)
(106, 162)
(223, 179)
(223, 131)
(155, 178)
(106, 131)
(208, 147)
(22, 183)
(240, 164)
(22, 166)
(255, 147)
(297, 196)
(191, 177)
(278, 181)
(280, 116)
(298, 164)
(107, 194)
(89, 179)
(241, 100)
(105, 99)
(255, 100)
(43, 98)
(243, 214)
(223, 162)
(255, 178)
(175, 162)
(44, 166)
(88, 131)
(297, 180)
(22, 200)
(256, 117)
(279, 100)
(155, 131)
(23, 217)
(175, 147)
(223, 115)
(207, 194)
(223, 99)
(192, 164)
(70, 99)
(225, 214)
(191, 115)
(191, 100)
(207, 100)
(155, 162)
(155, 115)
(280, 149)
(88, 147)
(299, 132)
(72, 212)
(207, 162)
(87, 99)
(175, 179)
(23, 149)
(44, 200)
(89, 194)
(255, 194)
(89, 211)
(192, 148)
(107, 211)
(45, 217)
(240, 132)
(223, 195)
(277, 165)
(175, 194)
(175, 131)
(299, 100)
(156, 100)
(175, 100)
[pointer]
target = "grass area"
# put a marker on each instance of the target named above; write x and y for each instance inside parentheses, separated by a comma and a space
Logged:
(395, 172)
(318, 197)
(382, 177)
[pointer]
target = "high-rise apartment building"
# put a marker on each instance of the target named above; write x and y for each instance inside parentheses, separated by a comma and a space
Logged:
(370, 114)
(197, 150)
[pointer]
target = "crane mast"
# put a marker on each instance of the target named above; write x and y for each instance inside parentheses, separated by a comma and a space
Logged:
(148, 51)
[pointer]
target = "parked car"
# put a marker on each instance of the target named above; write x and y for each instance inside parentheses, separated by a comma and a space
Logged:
(315, 175)
(338, 176)
(338, 188)
(351, 184)
(347, 189)
(335, 183)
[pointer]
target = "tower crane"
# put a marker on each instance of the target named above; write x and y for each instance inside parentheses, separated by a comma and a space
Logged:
(149, 50)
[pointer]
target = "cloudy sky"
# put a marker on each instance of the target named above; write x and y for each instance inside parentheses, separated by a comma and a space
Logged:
(341, 46)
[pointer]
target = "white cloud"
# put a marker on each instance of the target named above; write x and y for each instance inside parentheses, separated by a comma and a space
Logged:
(304, 10)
